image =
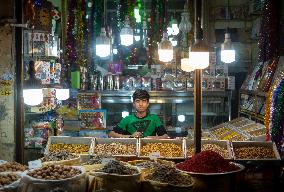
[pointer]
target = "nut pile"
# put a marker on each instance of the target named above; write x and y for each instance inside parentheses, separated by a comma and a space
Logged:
(213, 147)
(220, 131)
(12, 166)
(115, 149)
(54, 172)
(71, 148)
(170, 175)
(119, 168)
(7, 179)
(165, 149)
(254, 152)
(58, 156)
(233, 136)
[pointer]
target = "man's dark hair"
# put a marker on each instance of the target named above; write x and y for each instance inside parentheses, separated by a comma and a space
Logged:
(140, 94)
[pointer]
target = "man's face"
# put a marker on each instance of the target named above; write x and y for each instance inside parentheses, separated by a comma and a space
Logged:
(141, 105)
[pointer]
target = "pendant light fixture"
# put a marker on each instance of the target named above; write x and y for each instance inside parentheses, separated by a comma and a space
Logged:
(185, 25)
(227, 50)
(32, 91)
(165, 49)
(126, 33)
(103, 42)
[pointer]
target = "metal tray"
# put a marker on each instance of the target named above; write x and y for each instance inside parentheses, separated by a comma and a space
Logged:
(71, 140)
(222, 143)
(256, 144)
(133, 141)
(144, 141)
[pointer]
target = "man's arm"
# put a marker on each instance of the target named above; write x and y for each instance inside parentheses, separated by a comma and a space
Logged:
(120, 133)
(117, 135)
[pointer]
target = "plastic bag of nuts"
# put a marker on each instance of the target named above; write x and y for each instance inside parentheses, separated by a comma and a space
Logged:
(9, 181)
(67, 178)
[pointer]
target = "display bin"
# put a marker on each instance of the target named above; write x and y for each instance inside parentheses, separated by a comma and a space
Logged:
(269, 145)
(225, 144)
(71, 140)
(124, 141)
(178, 142)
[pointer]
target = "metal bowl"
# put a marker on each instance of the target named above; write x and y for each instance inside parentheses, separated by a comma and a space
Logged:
(241, 168)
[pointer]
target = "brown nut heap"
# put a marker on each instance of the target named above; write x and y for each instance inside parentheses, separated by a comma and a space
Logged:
(115, 149)
(71, 148)
(213, 147)
(54, 172)
(165, 149)
(12, 166)
(58, 156)
(7, 179)
(254, 152)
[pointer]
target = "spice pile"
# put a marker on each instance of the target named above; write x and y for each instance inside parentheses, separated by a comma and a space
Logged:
(12, 166)
(119, 168)
(8, 179)
(58, 156)
(170, 175)
(54, 172)
(207, 162)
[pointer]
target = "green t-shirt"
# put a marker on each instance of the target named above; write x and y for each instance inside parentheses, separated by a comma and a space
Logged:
(149, 125)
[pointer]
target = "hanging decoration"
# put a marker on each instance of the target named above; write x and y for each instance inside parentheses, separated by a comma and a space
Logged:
(268, 40)
(268, 103)
(80, 33)
(70, 38)
(267, 75)
(29, 12)
(162, 19)
(277, 117)
(98, 16)
(152, 32)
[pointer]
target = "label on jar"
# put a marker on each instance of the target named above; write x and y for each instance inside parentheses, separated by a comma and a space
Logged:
(35, 164)
(154, 155)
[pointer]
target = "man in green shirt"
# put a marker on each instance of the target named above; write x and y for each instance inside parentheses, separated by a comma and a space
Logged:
(142, 123)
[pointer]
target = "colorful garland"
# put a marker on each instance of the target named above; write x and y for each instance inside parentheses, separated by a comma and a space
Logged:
(277, 117)
(70, 40)
(80, 33)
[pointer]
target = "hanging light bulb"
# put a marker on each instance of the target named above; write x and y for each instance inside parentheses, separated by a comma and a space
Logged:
(126, 33)
(185, 25)
(227, 50)
(184, 64)
(62, 94)
(199, 53)
(32, 97)
(103, 44)
(165, 49)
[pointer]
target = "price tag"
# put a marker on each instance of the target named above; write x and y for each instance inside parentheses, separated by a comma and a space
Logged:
(34, 164)
(154, 155)
(107, 160)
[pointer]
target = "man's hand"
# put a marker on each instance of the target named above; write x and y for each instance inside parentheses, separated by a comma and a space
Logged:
(137, 134)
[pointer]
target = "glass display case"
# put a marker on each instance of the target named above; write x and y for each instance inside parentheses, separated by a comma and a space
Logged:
(176, 109)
